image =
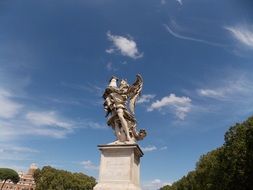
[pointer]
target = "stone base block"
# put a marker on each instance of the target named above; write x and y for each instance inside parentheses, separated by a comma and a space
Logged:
(119, 167)
(114, 186)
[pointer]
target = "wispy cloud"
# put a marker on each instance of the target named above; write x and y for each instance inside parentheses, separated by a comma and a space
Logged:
(88, 87)
(94, 125)
(49, 118)
(45, 123)
(16, 167)
(111, 50)
(10, 152)
(163, 2)
(228, 90)
(8, 107)
(64, 101)
(184, 37)
(145, 98)
(21, 127)
(126, 46)
(16, 149)
(217, 93)
(164, 148)
(181, 105)
(111, 67)
(154, 184)
(47, 132)
(180, 2)
(89, 165)
(242, 33)
(151, 148)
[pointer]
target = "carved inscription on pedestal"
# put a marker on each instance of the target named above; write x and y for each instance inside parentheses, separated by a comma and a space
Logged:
(117, 168)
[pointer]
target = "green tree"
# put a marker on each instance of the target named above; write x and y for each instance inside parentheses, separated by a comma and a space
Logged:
(238, 156)
(8, 174)
(49, 178)
(209, 172)
(229, 167)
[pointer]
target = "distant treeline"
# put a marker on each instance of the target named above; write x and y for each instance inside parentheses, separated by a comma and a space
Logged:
(229, 167)
(49, 178)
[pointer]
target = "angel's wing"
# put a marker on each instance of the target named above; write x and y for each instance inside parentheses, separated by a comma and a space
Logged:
(135, 91)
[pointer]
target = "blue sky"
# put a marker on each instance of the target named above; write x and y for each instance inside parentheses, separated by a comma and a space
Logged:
(56, 57)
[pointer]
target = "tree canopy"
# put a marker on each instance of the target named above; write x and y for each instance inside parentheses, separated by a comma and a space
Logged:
(8, 174)
(52, 179)
(229, 167)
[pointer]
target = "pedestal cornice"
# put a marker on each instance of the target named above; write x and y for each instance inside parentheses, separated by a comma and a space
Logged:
(138, 150)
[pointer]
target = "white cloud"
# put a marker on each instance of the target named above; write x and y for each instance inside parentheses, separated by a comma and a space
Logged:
(180, 2)
(156, 181)
(88, 165)
(110, 51)
(172, 99)
(126, 46)
(49, 118)
(244, 34)
(149, 148)
(8, 107)
(154, 184)
(181, 112)
(145, 98)
(180, 105)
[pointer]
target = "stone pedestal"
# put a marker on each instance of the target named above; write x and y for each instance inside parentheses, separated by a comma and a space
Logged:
(119, 167)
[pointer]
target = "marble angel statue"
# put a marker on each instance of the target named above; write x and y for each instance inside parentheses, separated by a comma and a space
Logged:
(119, 104)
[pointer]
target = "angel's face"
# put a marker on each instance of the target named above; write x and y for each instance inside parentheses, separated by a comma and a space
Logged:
(123, 83)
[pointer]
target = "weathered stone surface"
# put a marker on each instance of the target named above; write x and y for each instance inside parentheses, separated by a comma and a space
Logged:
(119, 167)
(119, 104)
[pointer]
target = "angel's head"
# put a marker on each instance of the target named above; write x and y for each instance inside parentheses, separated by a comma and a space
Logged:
(123, 84)
(113, 82)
